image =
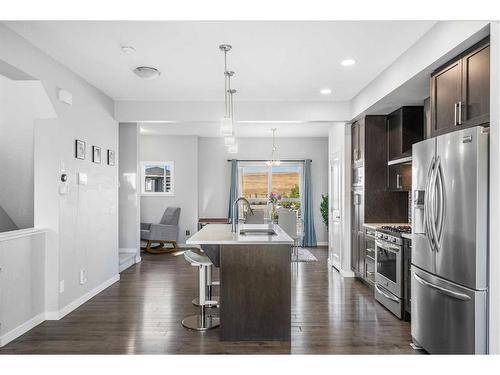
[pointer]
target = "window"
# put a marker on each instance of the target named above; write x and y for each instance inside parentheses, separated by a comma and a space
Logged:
(257, 180)
(158, 178)
(254, 182)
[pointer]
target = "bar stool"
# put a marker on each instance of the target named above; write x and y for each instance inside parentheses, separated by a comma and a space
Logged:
(202, 321)
(209, 296)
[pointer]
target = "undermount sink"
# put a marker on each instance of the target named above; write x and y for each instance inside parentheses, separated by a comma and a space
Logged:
(257, 231)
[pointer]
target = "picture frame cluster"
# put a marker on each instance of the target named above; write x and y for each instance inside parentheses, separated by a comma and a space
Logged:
(81, 153)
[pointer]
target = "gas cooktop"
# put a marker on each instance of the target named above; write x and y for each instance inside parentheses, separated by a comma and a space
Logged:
(395, 230)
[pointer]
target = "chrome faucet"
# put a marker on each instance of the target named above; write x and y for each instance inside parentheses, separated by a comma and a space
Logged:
(234, 219)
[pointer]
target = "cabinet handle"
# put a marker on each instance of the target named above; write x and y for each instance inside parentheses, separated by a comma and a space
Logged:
(460, 113)
(398, 181)
(455, 114)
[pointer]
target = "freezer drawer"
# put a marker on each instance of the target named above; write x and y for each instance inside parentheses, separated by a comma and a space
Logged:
(447, 318)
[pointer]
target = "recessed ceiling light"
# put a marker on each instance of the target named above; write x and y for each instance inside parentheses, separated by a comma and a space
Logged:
(325, 91)
(348, 62)
(147, 72)
(128, 50)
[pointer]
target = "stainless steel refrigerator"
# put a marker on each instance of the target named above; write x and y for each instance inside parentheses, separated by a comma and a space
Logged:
(449, 273)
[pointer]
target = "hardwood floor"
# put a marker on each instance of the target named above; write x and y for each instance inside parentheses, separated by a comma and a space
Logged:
(141, 314)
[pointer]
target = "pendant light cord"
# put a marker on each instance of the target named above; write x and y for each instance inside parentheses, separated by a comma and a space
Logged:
(226, 86)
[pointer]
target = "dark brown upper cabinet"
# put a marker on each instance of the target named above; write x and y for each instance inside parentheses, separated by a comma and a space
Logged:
(405, 127)
(399, 177)
(460, 91)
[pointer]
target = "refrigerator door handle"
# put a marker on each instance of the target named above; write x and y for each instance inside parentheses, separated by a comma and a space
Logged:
(427, 205)
(433, 211)
(450, 293)
(433, 203)
(441, 202)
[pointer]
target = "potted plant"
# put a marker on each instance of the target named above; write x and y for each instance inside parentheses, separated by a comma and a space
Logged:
(274, 199)
(324, 209)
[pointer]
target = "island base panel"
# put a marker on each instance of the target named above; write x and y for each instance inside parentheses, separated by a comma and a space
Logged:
(255, 292)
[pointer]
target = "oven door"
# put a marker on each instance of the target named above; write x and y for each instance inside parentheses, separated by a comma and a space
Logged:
(389, 267)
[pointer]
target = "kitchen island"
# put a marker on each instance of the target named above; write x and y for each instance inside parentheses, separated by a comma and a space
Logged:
(255, 279)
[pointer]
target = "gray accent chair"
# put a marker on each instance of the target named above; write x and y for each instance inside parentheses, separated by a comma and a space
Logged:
(165, 232)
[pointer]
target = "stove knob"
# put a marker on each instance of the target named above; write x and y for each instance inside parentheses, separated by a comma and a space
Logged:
(385, 237)
(393, 240)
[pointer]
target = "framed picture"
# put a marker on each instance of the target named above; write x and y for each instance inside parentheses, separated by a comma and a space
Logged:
(80, 149)
(111, 157)
(157, 178)
(96, 154)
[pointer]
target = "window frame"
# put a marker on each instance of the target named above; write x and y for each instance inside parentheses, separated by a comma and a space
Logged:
(170, 193)
(269, 168)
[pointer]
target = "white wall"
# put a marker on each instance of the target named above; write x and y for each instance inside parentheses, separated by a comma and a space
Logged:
(88, 215)
(183, 151)
(214, 170)
(129, 210)
(21, 103)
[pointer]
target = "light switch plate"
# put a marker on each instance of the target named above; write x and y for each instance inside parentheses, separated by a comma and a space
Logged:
(82, 178)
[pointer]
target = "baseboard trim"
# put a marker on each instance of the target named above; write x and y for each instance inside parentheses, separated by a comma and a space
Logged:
(22, 329)
(80, 301)
(138, 259)
(322, 243)
(128, 263)
(127, 250)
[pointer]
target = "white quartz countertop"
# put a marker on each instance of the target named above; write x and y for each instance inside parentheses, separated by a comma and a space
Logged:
(220, 234)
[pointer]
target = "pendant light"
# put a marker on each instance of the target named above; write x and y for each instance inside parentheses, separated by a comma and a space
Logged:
(226, 125)
(274, 161)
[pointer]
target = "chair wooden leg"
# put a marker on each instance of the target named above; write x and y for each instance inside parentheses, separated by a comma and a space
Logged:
(161, 249)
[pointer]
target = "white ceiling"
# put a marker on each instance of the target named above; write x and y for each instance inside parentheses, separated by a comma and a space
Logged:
(273, 60)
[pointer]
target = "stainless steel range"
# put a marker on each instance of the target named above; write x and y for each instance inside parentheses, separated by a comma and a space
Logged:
(389, 268)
